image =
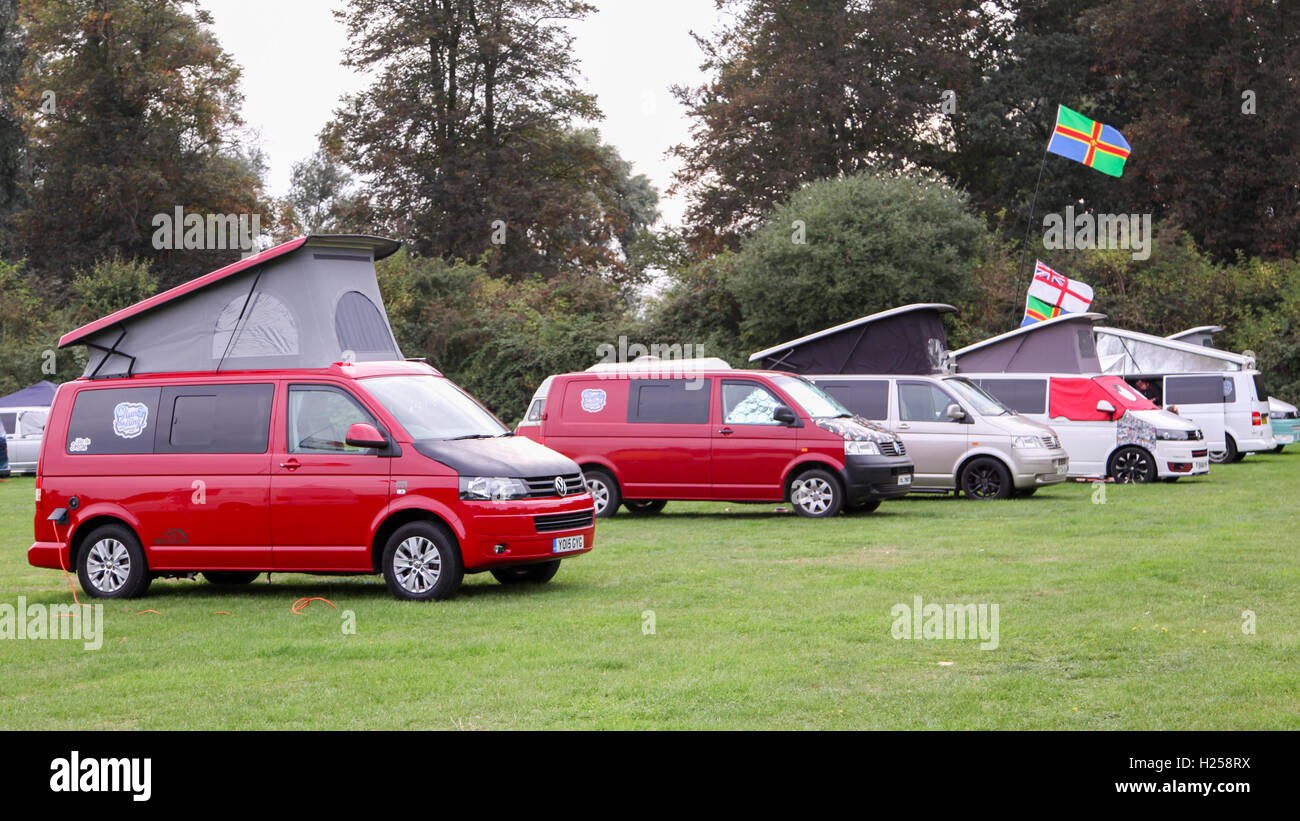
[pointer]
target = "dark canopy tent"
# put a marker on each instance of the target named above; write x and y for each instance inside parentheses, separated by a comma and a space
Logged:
(902, 340)
(306, 303)
(1063, 344)
(40, 395)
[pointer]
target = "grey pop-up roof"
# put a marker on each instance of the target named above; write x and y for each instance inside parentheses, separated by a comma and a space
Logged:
(1131, 352)
(1200, 335)
(306, 303)
(909, 339)
(1062, 344)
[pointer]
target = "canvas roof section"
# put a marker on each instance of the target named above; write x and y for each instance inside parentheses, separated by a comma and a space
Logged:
(305, 303)
(1200, 335)
(40, 395)
(1132, 352)
(1062, 344)
(907, 339)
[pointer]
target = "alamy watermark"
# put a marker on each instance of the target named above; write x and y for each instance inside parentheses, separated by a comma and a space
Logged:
(654, 361)
(69, 622)
(1068, 231)
(954, 622)
(180, 231)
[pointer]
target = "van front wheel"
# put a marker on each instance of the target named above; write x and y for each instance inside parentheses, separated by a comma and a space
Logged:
(604, 491)
(641, 506)
(816, 494)
(986, 479)
(1228, 454)
(422, 563)
(1132, 465)
(111, 565)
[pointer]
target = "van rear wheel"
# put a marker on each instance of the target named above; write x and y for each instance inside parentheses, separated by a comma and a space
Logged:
(422, 562)
(643, 506)
(986, 478)
(865, 506)
(816, 494)
(1132, 465)
(111, 565)
(604, 491)
(230, 576)
(1228, 454)
(529, 573)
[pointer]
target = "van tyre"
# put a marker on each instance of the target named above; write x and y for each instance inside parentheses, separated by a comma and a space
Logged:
(1132, 465)
(865, 506)
(604, 491)
(227, 577)
(528, 574)
(816, 494)
(1228, 454)
(986, 478)
(422, 562)
(111, 565)
(642, 507)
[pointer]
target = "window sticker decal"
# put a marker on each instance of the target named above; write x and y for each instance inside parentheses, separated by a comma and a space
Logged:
(593, 400)
(80, 445)
(130, 419)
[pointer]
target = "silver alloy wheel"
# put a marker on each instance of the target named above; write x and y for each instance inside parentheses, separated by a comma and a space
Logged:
(417, 563)
(108, 564)
(599, 492)
(813, 495)
(1131, 467)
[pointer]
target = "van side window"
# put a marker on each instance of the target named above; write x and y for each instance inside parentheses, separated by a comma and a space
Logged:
(9, 422)
(680, 401)
(922, 402)
(748, 403)
(216, 419)
(535, 411)
(867, 398)
(1199, 390)
(1021, 395)
(319, 418)
(113, 420)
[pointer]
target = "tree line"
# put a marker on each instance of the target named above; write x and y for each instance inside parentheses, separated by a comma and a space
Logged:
(845, 157)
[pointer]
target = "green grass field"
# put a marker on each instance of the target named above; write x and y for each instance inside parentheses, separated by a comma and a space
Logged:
(1122, 615)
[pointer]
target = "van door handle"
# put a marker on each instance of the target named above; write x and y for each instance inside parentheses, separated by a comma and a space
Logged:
(905, 426)
(726, 431)
(292, 464)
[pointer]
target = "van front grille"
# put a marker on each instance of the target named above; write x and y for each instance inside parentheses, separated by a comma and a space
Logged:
(895, 448)
(1050, 441)
(543, 486)
(563, 521)
(1200, 454)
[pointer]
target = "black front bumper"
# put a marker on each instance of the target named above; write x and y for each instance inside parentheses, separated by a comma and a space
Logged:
(875, 477)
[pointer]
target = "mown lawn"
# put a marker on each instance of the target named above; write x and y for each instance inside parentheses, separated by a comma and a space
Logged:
(1126, 614)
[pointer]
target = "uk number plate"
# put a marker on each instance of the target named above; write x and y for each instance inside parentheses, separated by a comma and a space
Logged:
(1062, 467)
(1201, 464)
(567, 544)
(905, 478)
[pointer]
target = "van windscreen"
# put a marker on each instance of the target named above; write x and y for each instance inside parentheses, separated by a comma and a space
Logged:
(430, 407)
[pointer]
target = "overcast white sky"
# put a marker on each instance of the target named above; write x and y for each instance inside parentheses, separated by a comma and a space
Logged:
(631, 52)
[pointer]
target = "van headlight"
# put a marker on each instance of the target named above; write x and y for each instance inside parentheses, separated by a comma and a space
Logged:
(1176, 435)
(1026, 442)
(860, 447)
(492, 488)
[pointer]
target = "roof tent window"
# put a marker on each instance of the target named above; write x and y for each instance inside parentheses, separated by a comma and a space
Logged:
(360, 326)
(269, 329)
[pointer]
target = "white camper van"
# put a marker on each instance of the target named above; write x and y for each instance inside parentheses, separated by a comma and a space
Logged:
(889, 368)
(24, 429)
(1048, 372)
(1218, 390)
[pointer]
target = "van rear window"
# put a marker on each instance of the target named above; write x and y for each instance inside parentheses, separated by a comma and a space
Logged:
(116, 420)
(673, 401)
(1021, 395)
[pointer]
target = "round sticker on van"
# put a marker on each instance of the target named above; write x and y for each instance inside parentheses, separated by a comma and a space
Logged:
(130, 419)
(593, 400)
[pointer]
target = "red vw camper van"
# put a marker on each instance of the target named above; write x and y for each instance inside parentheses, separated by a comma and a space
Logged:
(291, 460)
(648, 432)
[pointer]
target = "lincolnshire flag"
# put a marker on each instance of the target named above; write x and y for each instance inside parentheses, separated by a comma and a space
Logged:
(1089, 142)
(1052, 294)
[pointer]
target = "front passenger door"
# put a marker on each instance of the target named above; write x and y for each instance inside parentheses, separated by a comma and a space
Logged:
(934, 441)
(325, 494)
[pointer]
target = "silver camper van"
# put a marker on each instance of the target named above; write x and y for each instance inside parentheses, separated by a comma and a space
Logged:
(889, 368)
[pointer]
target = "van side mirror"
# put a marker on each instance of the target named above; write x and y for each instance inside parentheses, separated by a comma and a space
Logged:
(1106, 407)
(784, 415)
(954, 412)
(363, 435)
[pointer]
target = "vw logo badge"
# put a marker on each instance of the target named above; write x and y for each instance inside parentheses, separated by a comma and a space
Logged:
(560, 487)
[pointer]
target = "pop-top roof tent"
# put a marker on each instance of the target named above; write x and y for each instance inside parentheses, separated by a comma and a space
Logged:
(1131, 352)
(1062, 344)
(306, 303)
(908, 339)
(1200, 335)
(40, 395)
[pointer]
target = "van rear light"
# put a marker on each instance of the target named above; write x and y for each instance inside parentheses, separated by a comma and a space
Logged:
(1256, 418)
(38, 489)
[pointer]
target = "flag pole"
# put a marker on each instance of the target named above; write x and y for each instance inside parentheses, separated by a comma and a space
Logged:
(1029, 224)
